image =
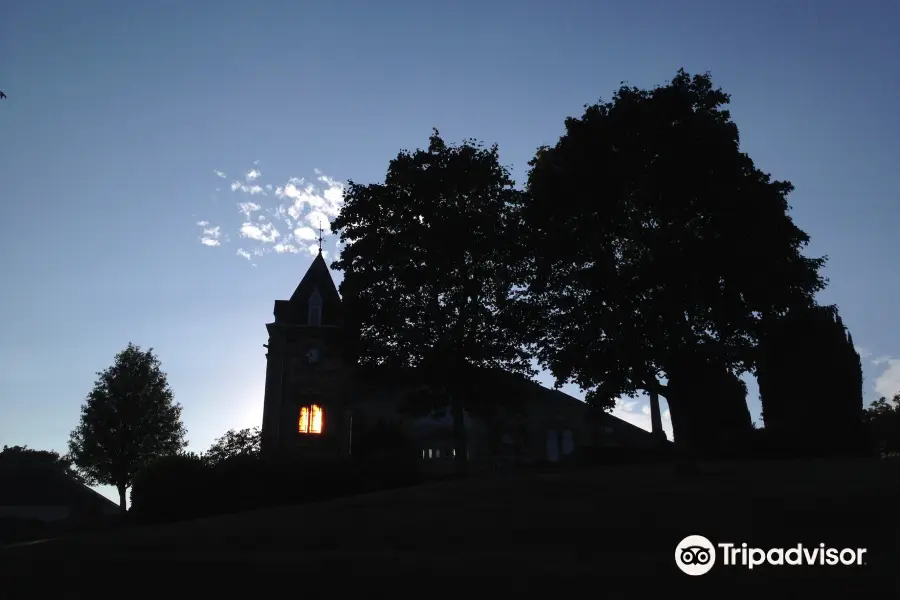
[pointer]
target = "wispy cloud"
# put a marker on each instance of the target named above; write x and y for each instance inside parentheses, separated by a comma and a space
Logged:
(265, 233)
(248, 207)
(286, 248)
(305, 233)
(210, 235)
(888, 382)
(253, 190)
(637, 412)
(281, 218)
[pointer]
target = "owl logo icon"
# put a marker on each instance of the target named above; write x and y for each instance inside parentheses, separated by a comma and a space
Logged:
(695, 555)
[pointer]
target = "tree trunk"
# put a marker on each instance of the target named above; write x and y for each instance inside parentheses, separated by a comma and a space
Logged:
(460, 447)
(122, 488)
(682, 425)
(656, 418)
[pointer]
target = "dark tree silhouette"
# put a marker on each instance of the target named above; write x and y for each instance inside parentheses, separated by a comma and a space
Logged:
(882, 424)
(649, 236)
(2, 95)
(424, 272)
(23, 456)
(810, 383)
(245, 442)
(717, 418)
(128, 418)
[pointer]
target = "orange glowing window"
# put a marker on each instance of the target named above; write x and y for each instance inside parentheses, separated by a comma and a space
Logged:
(311, 419)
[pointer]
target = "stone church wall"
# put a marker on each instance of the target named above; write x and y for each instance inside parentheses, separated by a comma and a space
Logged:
(549, 425)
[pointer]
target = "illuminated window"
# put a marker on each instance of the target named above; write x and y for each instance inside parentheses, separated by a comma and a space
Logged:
(315, 309)
(311, 419)
(429, 453)
(437, 453)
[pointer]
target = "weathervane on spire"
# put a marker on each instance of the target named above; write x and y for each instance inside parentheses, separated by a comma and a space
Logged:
(320, 237)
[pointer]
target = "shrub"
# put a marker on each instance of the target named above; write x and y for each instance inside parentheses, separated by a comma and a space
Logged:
(185, 486)
(17, 529)
(171, 488)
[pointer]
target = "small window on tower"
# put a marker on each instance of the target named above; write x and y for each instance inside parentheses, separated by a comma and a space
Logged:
(311, 419)
(315, 309)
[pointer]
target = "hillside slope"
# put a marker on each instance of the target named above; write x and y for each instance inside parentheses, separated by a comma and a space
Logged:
(608, 522)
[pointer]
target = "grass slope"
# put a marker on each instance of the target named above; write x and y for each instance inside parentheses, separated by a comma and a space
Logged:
(612, 524)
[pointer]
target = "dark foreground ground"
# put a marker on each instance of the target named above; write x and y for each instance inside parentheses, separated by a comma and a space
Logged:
(614, 529)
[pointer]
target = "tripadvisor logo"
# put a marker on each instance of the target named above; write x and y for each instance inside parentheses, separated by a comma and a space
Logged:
(696, 555)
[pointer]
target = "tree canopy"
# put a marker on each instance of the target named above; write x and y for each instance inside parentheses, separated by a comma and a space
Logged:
(128, 418)
(651, 243)
(245, 442)
(882, 421)
(23, 456)
(425, 269)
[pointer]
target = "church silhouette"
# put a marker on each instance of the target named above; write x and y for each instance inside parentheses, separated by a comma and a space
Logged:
(315, 400)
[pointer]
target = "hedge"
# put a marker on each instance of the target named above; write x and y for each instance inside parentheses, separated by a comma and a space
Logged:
(185, 486)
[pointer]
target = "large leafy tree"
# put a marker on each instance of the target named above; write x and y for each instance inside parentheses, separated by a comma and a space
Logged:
(128, 418)
(244, 442)
(811, 382)
(425, 274)
(652, 245)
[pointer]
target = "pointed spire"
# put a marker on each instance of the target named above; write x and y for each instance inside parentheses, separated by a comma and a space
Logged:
(320, 238)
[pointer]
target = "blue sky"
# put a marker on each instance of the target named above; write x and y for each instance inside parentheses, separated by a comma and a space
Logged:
(120, 117)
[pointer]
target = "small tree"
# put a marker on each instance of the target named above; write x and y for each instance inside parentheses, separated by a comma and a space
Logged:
(882, 422)
(128, 418)
(245, 442)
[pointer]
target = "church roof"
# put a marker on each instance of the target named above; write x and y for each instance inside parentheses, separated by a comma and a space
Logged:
(317, 279)
(46, 486)
(317, 276)
(501, 383)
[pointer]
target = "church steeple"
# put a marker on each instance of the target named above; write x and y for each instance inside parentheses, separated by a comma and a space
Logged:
(304, 405)
(315, 302)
